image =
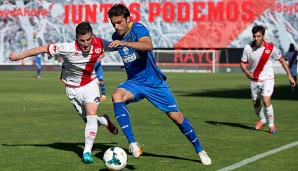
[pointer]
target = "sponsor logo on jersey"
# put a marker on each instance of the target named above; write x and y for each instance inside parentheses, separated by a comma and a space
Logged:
(130, 58)
(97, 50)
(267, 51)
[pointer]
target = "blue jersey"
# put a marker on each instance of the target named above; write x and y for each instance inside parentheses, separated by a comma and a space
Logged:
(139, 66)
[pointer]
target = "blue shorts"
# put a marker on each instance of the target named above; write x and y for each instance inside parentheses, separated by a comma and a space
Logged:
(161, 96)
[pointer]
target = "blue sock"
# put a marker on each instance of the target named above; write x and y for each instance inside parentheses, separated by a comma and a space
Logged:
(38, 72)
(122, 116)
(103, 88)
(187, 129)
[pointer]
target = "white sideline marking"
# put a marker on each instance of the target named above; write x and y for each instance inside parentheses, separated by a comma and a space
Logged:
(259, 156)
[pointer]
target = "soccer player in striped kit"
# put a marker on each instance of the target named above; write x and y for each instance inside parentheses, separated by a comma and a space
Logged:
(79, 77)
(259, 55)
(144, 80)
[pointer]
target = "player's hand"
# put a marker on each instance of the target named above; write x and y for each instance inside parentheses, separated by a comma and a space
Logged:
(249, 75)
(293, 82)
(13, 56)
(116, 43)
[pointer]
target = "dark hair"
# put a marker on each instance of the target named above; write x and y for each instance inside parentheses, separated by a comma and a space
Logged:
(118, 10)
(83, 28)
(258, 28)
(292, 47)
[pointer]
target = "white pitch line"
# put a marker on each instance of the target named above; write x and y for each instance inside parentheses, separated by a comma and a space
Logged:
(257, 157)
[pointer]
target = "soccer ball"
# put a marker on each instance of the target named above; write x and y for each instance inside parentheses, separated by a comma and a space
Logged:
(115, 158)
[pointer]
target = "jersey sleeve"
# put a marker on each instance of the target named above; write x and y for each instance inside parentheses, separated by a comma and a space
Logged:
(105, 44)
(140, 30)
(57, 49)
(276, 55)
(245, 53)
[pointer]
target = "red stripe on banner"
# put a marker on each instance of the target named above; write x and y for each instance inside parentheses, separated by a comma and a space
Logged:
(294, 58)
(212, 32)
(96, 52)
(263, 60)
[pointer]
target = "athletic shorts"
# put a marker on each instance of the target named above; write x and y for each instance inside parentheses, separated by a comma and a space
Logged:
(161, 96)
(79, 96)
(261, 88)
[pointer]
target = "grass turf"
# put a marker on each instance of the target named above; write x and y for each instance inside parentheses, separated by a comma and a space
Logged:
(40, 129)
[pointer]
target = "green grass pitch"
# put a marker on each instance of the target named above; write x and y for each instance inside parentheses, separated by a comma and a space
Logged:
(40, 129)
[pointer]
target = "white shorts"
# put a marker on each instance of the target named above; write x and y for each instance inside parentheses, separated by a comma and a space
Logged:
(261, 88)
(79, 96)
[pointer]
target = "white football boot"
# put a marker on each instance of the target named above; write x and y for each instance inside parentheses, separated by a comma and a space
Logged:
(136, 149)
(205, 159)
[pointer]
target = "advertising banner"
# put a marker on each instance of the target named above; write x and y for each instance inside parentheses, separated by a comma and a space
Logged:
(192, 24)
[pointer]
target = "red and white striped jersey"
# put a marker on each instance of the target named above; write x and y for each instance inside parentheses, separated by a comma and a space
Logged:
(77, 67)
(260, 60)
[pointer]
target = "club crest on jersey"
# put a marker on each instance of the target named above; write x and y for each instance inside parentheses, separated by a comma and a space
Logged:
(60, 48)
(97, 50)
(267, 51)
(126, 50)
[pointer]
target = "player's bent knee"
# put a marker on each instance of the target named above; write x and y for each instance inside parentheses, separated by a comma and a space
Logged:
(176, 117)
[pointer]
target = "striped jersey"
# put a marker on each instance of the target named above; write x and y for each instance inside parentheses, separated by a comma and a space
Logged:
(77, 67)
(260, 60)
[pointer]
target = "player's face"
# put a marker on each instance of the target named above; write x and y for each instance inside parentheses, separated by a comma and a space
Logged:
(258, 39)
(85, 42)
(120, 24)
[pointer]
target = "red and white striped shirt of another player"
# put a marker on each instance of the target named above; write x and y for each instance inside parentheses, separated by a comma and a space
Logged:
(77, 67)
(259, 63)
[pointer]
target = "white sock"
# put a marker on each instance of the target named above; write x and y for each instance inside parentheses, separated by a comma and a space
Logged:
(102, 121)
(260, 113)
(90, 132)
(270, 115)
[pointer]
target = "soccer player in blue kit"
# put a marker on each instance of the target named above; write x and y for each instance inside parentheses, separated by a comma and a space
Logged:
(38, 59)
(144, 80)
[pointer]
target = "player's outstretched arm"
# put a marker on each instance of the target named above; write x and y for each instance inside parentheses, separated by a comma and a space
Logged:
(31, 52)
(286, 68)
